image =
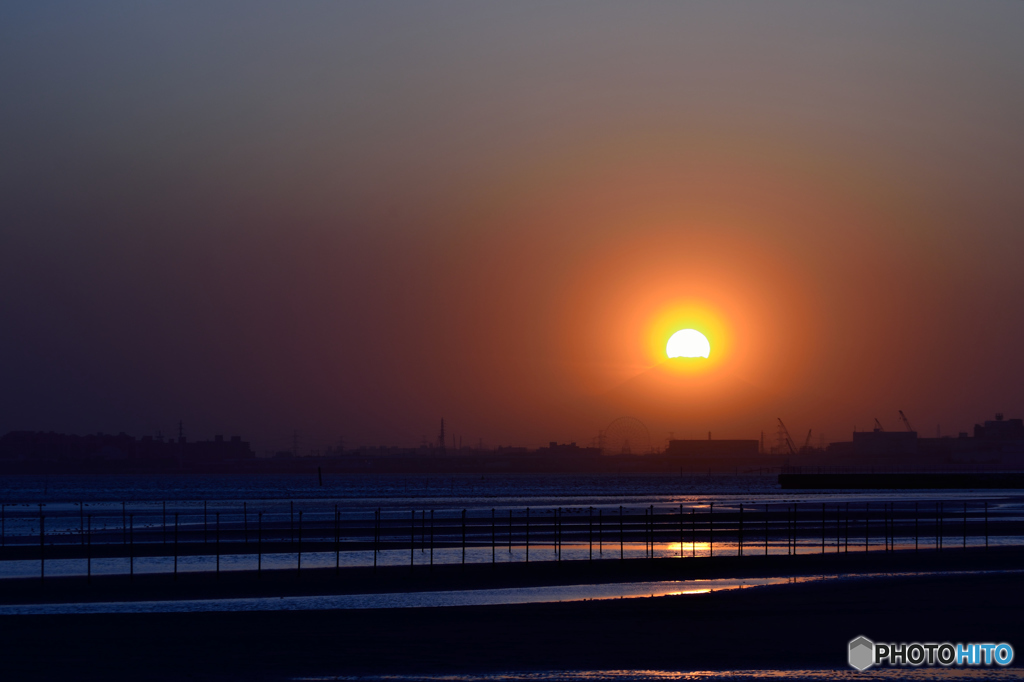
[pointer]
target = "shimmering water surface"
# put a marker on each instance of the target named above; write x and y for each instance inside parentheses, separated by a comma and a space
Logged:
(403, 600)
(145, 510)
(446, 598)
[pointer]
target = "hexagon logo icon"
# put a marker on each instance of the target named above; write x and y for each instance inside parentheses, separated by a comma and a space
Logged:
(862, 653)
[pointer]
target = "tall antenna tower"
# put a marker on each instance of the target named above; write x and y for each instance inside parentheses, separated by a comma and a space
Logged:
(440, 438)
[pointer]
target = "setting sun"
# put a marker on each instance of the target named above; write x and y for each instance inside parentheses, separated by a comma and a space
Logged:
(688, 343)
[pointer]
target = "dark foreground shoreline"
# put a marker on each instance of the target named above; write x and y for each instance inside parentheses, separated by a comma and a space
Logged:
(796, 626)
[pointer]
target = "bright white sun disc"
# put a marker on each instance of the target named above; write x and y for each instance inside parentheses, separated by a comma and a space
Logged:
(688, 343)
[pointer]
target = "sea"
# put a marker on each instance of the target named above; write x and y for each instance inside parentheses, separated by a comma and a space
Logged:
(114, 508)
(236, 500)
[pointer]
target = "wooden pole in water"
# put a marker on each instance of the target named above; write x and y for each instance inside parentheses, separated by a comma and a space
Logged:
(175, 545)
(337, 540)
(740, 548)
(88, 551)
(527, 535)
(846, 538)
(986, 524)
(204, 522)
(796, 528)
(554, 531)
(590, 531)
(298, 554)
(867, 509)
(494, 538)
(916, 531)
(412, 539)
(646, 533)
(259, 544)
(376, 522)
(3, 525)
(965, 525)
(711, 529)
(942, 517)
(823, 528)
(647, 543)
(509, 531)
(622, 541)
(792, 529)
(885, 525)
(766, 529)
(216, 540)
(431, 539)
(892, 526)
(654, 529)
(131, 546)
(558, 534)
(81, 522)
(653, 533)
(164, 528)
(124, 524)
(245, 522)
(291, 524)
(693, 532)
(42, 546)
(839, 529)
(600, 532)
(680, 531)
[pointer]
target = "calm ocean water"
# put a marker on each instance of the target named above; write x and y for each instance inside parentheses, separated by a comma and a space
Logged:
(152, 504)
(386, 490)
(450, 491)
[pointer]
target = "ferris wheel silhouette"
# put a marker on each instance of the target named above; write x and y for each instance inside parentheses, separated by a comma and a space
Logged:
(625, 436)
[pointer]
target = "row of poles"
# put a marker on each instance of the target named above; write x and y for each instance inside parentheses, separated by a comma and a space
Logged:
(650, 528)
(127, 522)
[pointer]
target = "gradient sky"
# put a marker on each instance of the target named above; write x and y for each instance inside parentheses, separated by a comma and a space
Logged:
(352, 219)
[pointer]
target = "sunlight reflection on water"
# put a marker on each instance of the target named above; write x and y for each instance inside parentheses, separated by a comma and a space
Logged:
(398, 600)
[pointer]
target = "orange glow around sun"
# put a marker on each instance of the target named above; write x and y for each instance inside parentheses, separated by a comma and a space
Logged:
(683, 315)
(623, 307)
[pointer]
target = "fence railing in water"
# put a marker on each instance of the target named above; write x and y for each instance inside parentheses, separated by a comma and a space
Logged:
(158, 537)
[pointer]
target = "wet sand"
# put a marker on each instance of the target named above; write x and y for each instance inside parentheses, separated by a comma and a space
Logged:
(236, 584)
(803, 625)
